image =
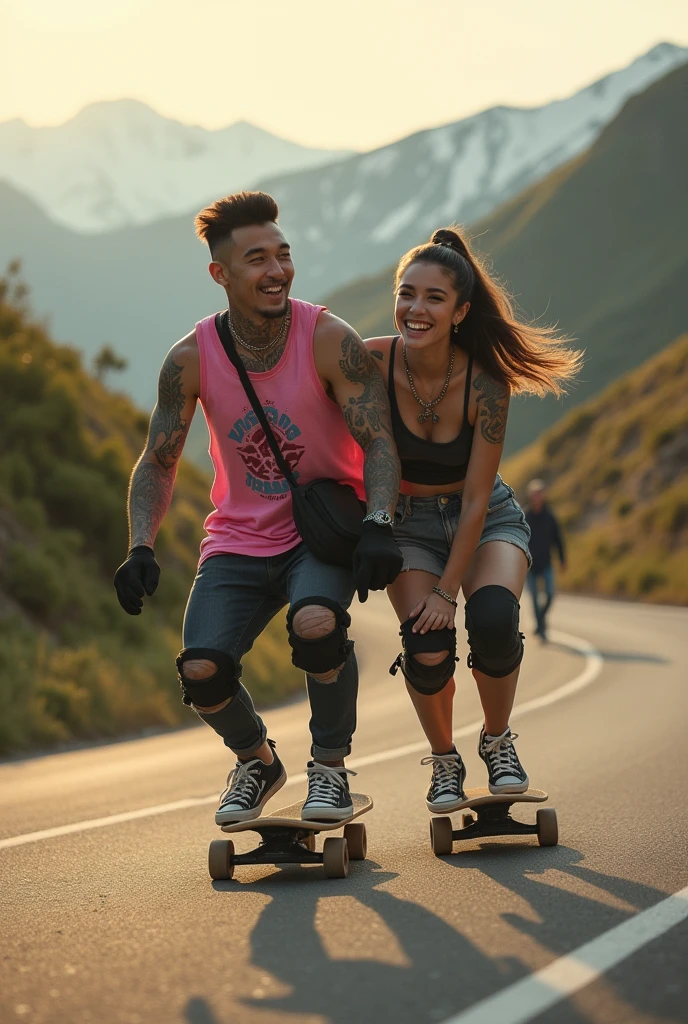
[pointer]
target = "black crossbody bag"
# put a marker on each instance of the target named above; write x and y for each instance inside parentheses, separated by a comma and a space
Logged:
(328, 515)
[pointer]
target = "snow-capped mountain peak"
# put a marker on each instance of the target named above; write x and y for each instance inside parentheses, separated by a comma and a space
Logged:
(117, 163)
(355, 217)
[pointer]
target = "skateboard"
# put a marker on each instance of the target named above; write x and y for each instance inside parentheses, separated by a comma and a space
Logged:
(287, 839)
(492, 818)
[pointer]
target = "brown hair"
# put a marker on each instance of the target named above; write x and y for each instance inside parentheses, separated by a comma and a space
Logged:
(216, 222)
(524, 356)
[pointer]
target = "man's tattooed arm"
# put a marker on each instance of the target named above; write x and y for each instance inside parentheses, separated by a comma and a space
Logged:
(152, 481)
(493, 407)
(360, 390)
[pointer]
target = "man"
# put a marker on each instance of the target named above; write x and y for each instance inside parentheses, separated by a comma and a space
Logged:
(544, 535)
(327, 405)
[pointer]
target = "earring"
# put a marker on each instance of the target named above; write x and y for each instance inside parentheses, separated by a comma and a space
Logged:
(456, 328)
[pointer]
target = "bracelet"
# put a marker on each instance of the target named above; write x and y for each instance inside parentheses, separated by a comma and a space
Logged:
(446, 596)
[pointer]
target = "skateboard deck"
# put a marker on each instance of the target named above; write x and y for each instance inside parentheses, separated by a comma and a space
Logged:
(492, 818)
(286, 838)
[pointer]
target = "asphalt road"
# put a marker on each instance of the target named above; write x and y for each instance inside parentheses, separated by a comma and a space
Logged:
(118, 921)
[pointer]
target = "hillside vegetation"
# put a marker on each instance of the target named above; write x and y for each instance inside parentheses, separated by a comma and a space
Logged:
(594, 248)
(617, 469)
(72, 663)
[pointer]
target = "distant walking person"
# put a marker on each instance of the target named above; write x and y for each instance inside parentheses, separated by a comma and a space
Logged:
(545, 534)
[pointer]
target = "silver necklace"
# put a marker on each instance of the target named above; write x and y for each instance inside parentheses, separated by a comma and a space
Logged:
(259, 350)
(429, 407)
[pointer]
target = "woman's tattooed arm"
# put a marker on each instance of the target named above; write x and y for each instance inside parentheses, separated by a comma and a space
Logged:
(493, 407)
(152, 481)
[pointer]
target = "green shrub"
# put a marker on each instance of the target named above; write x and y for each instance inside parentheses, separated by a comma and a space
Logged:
(34, 579)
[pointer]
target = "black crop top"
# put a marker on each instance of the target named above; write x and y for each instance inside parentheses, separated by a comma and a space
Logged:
(430, 462)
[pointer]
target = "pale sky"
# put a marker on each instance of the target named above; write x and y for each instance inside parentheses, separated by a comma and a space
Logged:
(354, 74)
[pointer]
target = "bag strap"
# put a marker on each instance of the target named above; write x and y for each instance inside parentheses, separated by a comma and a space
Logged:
(227, 341)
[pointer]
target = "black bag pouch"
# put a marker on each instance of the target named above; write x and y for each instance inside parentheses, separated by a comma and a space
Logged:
(328, 515)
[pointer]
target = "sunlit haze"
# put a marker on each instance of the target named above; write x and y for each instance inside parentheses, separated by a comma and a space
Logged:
(356, 74)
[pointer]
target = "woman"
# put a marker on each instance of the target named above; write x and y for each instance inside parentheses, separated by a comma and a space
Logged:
(459, 355)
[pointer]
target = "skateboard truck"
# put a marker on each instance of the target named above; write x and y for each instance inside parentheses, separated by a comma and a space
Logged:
(287, 839)
(488, 815)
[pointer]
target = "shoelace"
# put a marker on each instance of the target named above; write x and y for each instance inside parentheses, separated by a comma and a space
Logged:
(242, 784)
(324, 782)
(501, 753)
(446, 768)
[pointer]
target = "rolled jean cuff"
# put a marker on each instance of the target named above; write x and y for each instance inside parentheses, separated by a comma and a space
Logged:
(242, 737)
(248, 751)
(326, 754)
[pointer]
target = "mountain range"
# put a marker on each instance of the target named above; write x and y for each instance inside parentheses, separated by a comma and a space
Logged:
(596, 248)
(354, 217)
(120, 163)
(141, 287)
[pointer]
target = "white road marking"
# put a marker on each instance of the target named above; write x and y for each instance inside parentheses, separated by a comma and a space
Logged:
(531, 996)
(593, 667)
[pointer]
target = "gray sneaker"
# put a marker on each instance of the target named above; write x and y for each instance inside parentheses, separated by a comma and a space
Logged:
(505, 772)
(328, 797)
(446, 788)
(250, 784)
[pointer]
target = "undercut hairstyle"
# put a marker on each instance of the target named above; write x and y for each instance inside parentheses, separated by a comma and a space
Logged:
(215, 224)
(526, 357)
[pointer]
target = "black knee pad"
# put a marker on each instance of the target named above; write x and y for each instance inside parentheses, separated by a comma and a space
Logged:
(323, 653)
(207, 693)
(426, 679)
(492, 620)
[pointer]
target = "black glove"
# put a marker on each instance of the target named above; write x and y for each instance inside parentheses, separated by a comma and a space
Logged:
(137, 576)
(377, 559)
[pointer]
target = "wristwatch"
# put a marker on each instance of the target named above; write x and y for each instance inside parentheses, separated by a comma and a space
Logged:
(380, 517)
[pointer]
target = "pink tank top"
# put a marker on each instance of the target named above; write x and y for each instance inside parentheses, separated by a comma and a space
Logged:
(252, 514)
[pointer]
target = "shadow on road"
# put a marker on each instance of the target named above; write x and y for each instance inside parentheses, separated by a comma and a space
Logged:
(197, 1011)
(516, 869)
(444, 972)
(634, 656)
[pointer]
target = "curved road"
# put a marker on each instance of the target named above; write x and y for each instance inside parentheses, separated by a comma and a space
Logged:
(108, 914)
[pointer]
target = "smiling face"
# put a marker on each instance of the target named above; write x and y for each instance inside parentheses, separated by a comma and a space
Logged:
(427, 305)
(255, 268)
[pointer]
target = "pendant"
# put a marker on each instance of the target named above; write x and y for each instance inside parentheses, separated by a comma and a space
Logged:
(435, 418)
(423, 416)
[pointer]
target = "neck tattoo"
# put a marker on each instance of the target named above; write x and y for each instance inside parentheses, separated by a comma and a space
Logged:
(262, 350)
(429, 407)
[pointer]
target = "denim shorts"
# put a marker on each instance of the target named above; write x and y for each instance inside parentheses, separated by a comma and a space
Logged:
(424, 528)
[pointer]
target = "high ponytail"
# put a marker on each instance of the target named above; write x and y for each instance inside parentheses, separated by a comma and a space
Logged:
(524, 356)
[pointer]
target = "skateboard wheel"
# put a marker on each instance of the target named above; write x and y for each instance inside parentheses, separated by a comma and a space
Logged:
(335, 857)
(221, 859)
(441, 836)
(309, 842)
(467, 819)
(356, 840)
(547, 827)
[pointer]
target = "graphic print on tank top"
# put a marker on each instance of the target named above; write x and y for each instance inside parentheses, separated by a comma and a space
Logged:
(263, 475)
(252, 507)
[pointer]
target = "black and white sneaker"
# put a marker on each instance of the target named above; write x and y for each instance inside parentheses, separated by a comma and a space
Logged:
(505, 772)
(446, 788)
(328, 797)
(250, 784)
